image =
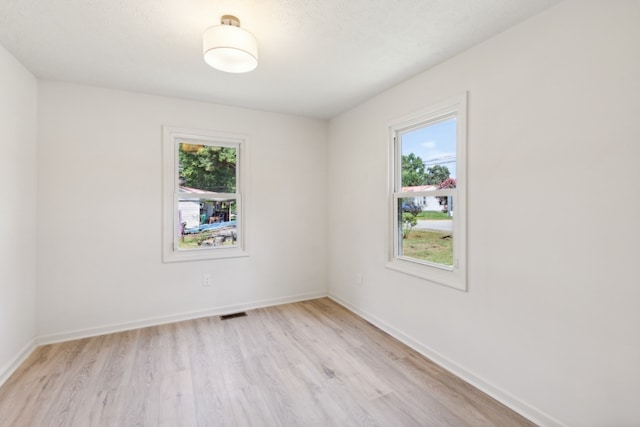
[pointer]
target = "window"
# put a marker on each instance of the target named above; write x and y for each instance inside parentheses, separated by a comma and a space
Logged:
(202, 195)
(428, 186)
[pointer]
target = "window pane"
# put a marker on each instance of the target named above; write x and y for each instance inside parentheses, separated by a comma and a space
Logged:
(428, 175)
(207, 168)
(205, 223)
(426, 234)
(429, 156)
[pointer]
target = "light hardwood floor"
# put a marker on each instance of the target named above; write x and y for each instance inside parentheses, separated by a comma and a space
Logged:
(311, 363)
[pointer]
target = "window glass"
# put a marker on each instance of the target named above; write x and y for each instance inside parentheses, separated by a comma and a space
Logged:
(204, 223)
(428, 212)
(426, 235)
(429, 154)
(207, 167)
(425, 222)
(202, 185)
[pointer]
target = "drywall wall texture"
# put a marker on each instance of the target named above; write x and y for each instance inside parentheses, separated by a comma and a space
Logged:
(18, 178)
(99, 223)
(551, 321)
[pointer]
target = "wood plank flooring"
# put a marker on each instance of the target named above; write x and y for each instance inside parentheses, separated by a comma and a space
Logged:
(311, 363)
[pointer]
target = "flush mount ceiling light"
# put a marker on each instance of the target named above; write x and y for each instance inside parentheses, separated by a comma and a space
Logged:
(227, 47)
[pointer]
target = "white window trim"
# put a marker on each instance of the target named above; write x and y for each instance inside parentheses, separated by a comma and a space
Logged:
(171, 136)
(455, 277)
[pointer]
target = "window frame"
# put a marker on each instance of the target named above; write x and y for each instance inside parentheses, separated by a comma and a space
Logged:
(172, 137)
(455, 276)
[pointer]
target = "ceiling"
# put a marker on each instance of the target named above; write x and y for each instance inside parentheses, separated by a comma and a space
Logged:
(317, 58)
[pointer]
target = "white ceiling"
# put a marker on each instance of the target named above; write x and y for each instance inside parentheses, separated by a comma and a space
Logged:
(316, 57)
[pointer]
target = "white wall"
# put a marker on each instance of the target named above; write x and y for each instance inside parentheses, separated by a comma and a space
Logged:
(551, 321)
(18, 176)
(100, 160)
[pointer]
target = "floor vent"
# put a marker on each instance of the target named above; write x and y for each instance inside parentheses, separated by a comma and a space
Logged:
(233, 315)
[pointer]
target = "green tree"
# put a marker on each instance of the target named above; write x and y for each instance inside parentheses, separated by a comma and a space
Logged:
(409, 220)
(437, 174)
(413, 171)
(208, 167)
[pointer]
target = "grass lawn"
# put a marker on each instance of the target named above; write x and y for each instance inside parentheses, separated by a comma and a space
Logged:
(433, 215)
(190, 241)
(429, 245)
(195, 240)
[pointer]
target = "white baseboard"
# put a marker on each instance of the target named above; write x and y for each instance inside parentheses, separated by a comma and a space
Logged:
(7, 370)
(523, 408)
(528, 411)
(161, 320)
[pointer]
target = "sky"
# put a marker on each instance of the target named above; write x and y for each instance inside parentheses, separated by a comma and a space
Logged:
(432, 142)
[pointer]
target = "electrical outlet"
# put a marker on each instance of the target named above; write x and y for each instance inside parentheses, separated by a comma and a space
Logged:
(206, 279)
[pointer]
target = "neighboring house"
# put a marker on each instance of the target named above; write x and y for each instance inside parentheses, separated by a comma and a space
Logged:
(426, 203)
(189, 209)
(189, 213)
(195, 211)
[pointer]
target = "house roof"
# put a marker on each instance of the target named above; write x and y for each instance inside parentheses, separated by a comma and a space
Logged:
(419, 188)
(183, 189)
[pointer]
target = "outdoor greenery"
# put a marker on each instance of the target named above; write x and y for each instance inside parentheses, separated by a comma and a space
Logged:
(433, 215)
(447, 183)
(190, 241)
(409, 220)
(208, 167)
(414, 172)
(436, 174)
(205, 238)
(429, 245)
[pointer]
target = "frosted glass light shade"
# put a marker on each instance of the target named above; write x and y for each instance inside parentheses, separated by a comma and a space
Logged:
(230, 48)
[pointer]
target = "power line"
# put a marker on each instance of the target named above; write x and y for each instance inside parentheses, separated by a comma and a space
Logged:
(440, 160)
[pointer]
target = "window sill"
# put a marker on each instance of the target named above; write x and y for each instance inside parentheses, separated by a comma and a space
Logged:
(442, 276)
(205, 254)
